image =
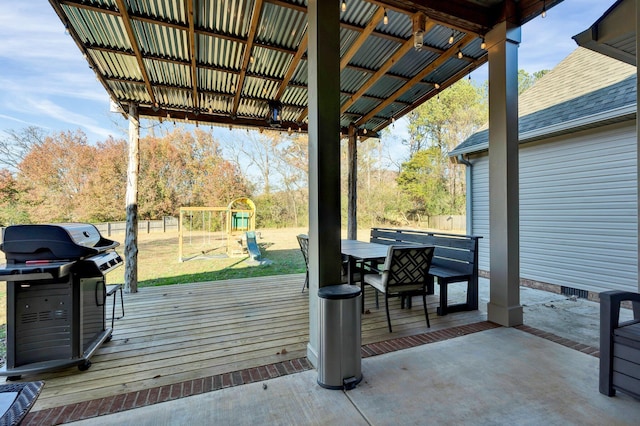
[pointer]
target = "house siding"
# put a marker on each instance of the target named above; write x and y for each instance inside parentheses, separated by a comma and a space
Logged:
(578, 209)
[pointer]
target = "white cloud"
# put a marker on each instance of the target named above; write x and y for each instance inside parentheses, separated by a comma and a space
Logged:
(32, 32)
(17, 120)
(59, 113)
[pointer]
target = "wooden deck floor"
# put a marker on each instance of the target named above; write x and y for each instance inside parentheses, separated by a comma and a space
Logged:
(175, 333)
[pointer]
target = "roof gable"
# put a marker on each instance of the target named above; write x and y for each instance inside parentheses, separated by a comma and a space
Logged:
(585, 89)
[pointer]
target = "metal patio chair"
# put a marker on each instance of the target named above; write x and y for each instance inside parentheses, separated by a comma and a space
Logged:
(404, 274)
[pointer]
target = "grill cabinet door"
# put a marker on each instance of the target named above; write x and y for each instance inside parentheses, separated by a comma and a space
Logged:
(43, 322)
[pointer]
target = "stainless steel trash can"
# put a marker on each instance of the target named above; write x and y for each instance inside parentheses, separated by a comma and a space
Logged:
(339, 361)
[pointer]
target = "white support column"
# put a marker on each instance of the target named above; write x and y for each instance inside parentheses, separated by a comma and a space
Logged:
(324, 157)
(131, 238)
(504, 211)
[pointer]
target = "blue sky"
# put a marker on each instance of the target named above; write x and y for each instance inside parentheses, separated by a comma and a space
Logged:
(46, 82)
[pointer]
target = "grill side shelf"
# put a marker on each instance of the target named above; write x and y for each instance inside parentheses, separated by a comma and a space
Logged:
(12, 273)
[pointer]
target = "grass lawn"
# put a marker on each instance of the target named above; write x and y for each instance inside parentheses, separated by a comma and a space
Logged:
(158, 262)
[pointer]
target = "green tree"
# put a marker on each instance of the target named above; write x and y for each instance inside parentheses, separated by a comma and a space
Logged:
(438, 126)
(422, 180)
(10, 211)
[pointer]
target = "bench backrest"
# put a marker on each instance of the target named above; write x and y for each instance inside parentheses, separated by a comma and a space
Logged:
(453, 251)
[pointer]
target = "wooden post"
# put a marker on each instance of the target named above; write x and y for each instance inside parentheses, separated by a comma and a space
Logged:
(180, 234)
(352, 208)
(131, 238)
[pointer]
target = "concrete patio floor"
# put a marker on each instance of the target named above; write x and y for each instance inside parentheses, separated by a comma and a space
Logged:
(496, 376)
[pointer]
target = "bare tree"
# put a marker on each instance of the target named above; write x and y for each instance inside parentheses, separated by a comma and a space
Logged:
(18, 143)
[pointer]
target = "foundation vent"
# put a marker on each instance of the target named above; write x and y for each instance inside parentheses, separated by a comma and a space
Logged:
(568, 291)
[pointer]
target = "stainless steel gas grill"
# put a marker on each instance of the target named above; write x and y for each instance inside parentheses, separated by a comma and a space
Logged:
(56, 291)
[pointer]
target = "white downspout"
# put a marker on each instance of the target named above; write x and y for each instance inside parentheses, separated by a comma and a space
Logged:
(469, 199)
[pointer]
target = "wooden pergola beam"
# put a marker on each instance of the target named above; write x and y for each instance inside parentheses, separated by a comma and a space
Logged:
(410, 107)
(193, 56)
(126, 21)
(257, 8)
(292, 66)
(426, 71)
(362, 38)
(408, 45)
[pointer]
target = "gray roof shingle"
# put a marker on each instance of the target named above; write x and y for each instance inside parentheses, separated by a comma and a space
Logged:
(585, 84)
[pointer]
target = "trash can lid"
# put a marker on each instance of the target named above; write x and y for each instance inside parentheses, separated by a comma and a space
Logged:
(341, 291)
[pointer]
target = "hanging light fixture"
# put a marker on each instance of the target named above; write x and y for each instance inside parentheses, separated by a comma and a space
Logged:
(436, 85)
(544, 8)
(385, 20)
(483, 44)
(343, 6)
(419, 24)
(275, 113)
(460, 55)
(451, 38)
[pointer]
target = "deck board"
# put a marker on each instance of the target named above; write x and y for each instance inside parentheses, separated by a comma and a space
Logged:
(175, 333)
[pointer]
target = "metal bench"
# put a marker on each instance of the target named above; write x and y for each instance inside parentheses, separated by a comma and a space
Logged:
(455, 259)
(619, 345)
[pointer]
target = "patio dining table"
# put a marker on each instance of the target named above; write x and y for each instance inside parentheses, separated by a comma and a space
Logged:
(364, 252)
(360, 251)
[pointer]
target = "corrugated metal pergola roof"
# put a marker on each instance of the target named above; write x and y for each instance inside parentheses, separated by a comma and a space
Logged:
(228, 61)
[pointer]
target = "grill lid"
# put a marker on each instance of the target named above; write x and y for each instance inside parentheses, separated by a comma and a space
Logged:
(65, 241)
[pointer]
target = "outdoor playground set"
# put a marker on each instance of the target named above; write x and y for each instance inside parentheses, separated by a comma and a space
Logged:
(214, 232)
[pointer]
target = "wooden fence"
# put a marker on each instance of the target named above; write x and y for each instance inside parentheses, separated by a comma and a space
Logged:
(447, 222)
(166, 224)
(170, 223)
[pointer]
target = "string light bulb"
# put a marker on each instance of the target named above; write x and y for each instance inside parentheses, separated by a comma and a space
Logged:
(483, 44)
(544, 8)
(385, 20)
(343, 7)
(451, 38)
(460, 54)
